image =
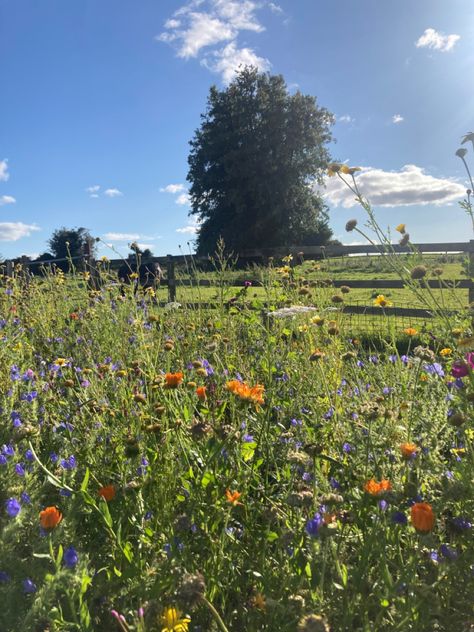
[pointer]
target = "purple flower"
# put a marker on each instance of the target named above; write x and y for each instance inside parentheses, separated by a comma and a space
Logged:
(347, 447)
(4, 577)
(19, 469)
(383, 504)
(313, 525)
(3, 459)
(247, 438)
(459, 369)
(12, 507)
(29, 587)
(69, 463)
(398, 517)
(434, 369)
(447, 552)
(70, 557)
(25, 498)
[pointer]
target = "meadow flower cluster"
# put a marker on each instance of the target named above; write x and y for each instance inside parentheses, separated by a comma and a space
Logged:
(178, 469)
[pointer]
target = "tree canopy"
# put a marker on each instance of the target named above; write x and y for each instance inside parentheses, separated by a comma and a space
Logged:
(65, 242)
(253, 163)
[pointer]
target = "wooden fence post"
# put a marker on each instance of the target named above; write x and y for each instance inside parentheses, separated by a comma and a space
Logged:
(9, 269)
(91, 267)
(170, 273)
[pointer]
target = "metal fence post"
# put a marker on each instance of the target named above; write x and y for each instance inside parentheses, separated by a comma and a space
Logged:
(170, 273)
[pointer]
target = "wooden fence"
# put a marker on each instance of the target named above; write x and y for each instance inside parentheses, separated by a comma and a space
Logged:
(169, 264)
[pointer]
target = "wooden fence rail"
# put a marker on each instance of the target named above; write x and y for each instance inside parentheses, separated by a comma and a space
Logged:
(299, 253)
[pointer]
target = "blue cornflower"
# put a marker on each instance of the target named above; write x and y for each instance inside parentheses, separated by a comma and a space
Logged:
(19, 469)
(25, 498)
(347, 447)
(398, 517)
(29, 586)
(69, 463)
(247, 438)
(313, 525)
(3, 459)
(434, 369)
(8, 450)
(4, 577)
(71, 557)
(448, 552)
(12, 507)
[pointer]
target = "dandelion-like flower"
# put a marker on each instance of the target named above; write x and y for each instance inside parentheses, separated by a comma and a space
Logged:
(172, 620)
(233, 497)
(381, 301)
(173, 380)
(377, 488)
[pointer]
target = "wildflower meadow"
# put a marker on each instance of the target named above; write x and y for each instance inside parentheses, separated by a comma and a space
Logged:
(250, 467)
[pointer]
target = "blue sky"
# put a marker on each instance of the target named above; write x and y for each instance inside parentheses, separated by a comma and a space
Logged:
(108, 93)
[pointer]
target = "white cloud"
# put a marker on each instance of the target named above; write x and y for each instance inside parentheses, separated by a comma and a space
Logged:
(94, 195)
(122, 236)
(173, 188)
(143, 246)
(217, 21)
(112, 193)
(12, 231)
(275, 8)
(346, 118)
(397, 118)
(191, 230)
(227, 61)
(6, 199)
(4, 175)
(182, 199)
(407, 187)
(93, 189)
(437, 41)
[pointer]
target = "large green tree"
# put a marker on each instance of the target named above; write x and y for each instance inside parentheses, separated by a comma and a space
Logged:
(253, 165)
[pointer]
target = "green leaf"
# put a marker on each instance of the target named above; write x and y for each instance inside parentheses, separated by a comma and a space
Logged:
(85, 480)
(248, 450)
(207, 477)
(117, 572)
(271, 536)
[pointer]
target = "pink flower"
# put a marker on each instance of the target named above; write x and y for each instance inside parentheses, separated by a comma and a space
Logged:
(459, 369)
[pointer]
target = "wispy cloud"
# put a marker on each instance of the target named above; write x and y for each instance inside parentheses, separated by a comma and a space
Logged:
(198, 27)
(122, 236)
(12, 231)
(397, 118)
(437, 41)
(113, 193)
(346, 118)
(228, 60)
(191, 228)
(407, 187)
(4, 175)
(182, 199)
(6, 199)
(173, 188)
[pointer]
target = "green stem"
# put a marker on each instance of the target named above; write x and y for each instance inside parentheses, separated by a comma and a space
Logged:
(215, 614)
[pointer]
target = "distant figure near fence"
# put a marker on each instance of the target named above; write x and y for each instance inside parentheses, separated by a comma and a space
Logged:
(149, 273)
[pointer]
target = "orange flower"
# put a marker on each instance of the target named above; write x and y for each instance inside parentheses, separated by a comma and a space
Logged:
(107, 492)
(410, 331)
(422, 517)
(201, 393)
(246, 392)
(50, 518)
(173, 379)
(377, 488)
(409, 450)
(233, 497)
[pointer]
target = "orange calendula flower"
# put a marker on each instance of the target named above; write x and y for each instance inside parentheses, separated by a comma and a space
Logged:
(233, 497)
(172, 380)
(422, 517)
(107, 492)
(201, 393)
(377, 488)
(50, 518)
(445, 352)
(246, 392)
(409, 450)
(410, 331)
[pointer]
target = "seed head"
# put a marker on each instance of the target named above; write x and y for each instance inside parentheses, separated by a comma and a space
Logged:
(351, 224)
(418, 272)
(313, 623)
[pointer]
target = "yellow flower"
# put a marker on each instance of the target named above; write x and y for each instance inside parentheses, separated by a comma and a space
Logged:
(446, 351)
(466, 344)
(333, 168)
(349, 170)
(401, 228)
(381, 301)
(171, 619)
(60, 361)
(410, 331)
